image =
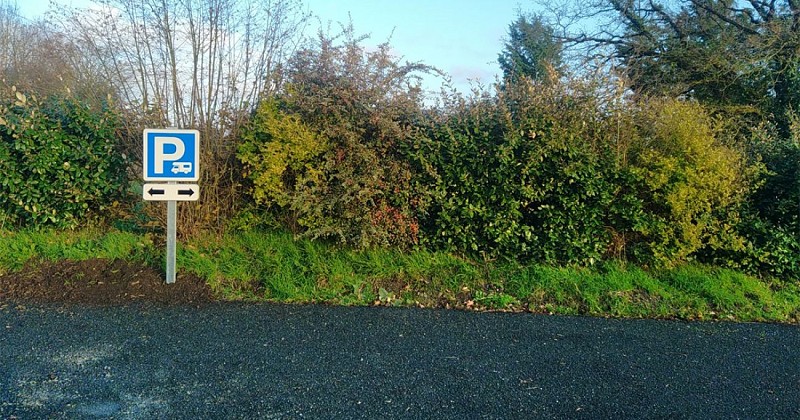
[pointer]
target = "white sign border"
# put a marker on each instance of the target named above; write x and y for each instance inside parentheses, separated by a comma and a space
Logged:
(145, 162)
(171, 192)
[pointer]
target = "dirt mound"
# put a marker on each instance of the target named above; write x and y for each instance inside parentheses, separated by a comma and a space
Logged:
(100, 282)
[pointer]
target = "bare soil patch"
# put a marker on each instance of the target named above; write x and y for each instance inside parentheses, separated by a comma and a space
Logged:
(100, 282)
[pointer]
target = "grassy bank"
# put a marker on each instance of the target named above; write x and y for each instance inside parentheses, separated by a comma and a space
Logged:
(269, 266)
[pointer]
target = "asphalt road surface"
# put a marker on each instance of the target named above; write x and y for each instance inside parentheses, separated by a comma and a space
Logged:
(274, 361)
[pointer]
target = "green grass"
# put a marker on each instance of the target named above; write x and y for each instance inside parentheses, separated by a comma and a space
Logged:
(20, 247)
(273, 266)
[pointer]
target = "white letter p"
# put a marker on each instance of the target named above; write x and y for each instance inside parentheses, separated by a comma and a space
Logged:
(160, 156)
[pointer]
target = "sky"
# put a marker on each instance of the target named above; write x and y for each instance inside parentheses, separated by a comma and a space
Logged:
(460, 37)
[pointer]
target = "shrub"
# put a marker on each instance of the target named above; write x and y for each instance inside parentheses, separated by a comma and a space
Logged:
(324, 155)
(59, 161)
(777, 200)
(771, 222)
(280, 152)
(692, 186)
(523, 175)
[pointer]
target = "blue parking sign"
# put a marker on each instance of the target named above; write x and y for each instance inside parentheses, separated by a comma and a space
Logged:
(171, 155)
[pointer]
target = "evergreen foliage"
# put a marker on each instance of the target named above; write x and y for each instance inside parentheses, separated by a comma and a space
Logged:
(531, 50)
(59, 161)
(519, 176)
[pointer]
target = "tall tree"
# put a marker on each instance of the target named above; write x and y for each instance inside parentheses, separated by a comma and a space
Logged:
(188, 61)
(36, 58)
(743, 55)
(531, 50)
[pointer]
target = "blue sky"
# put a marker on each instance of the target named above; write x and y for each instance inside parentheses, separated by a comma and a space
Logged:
(460, 37)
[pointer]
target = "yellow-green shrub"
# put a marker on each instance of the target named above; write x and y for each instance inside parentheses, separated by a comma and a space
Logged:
(692, 185)
(279, 152)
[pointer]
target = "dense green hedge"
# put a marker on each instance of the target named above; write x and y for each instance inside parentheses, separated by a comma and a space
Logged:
(541, 172)
(58, 160)
(554, 171)
(518, 175)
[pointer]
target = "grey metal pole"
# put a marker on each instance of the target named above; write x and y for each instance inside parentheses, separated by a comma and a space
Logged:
(172, 216)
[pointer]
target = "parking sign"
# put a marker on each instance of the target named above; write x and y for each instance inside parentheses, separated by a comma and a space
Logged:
(171, 155)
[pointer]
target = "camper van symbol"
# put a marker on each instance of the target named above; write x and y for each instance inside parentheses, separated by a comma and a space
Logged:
(181, 167)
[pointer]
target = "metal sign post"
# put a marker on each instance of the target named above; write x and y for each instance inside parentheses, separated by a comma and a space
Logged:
(172, 233)
(171, 156)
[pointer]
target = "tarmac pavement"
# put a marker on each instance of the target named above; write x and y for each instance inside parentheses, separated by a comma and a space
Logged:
(281, 361)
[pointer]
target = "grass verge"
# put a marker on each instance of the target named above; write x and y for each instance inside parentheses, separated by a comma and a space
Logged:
(273, 266)
(18, 248)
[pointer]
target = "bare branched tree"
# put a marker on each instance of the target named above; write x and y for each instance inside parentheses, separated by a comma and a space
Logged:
(189, 61)
(199, 64)
(36, 58)
(730, 54)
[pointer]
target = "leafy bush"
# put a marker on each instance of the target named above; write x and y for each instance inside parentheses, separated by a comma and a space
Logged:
(777, 200)
(692, 186)
(58, 160)
(551, 172)
(522, 176)
(280, 152)
(325, 155)
(772, 250)
(771, 222)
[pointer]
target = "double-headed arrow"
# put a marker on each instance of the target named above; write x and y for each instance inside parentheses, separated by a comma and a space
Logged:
(171, 192)
(154, 192)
